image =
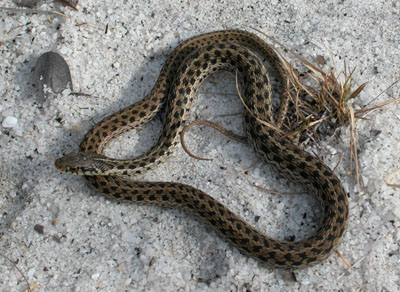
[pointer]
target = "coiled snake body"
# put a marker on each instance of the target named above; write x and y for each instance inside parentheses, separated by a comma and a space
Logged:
(182, 74)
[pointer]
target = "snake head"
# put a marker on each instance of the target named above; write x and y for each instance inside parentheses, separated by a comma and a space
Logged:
(83, 163)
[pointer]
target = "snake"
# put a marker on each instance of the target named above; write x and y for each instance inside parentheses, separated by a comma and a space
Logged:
(185, 69)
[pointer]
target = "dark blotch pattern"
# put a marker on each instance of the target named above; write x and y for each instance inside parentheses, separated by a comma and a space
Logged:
(173, 93)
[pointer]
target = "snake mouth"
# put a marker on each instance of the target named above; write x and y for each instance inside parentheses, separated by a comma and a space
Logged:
(75, 170)
(61, 167)
(69, 164)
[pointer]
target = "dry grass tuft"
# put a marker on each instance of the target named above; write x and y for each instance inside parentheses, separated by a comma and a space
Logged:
(317, 96)
(321, 102)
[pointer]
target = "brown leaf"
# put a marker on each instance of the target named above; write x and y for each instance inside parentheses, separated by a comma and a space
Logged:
(52, 71)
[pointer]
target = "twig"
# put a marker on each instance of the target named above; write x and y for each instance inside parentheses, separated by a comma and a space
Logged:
(343, 259)
(340, 160)
(212, 125)
(390, 178)
(353, 141)
(247, 108)
(66, 3)
(19, 270)
(30, 11)
(390, 86)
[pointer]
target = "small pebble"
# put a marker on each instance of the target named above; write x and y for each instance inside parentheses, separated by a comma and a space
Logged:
(95, 276)
(39, 228)
(9, 122)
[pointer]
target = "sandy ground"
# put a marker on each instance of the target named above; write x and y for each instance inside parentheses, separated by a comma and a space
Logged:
(63, 236)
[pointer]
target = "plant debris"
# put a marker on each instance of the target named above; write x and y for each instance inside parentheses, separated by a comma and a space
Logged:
(66, 3)
(27, 3)
(51, 72)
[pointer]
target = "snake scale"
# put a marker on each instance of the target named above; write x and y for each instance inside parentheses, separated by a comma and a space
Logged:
(181, 76)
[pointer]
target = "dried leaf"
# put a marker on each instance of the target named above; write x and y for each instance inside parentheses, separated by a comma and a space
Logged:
(66, 3)
(52, 71)
(357, 91)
